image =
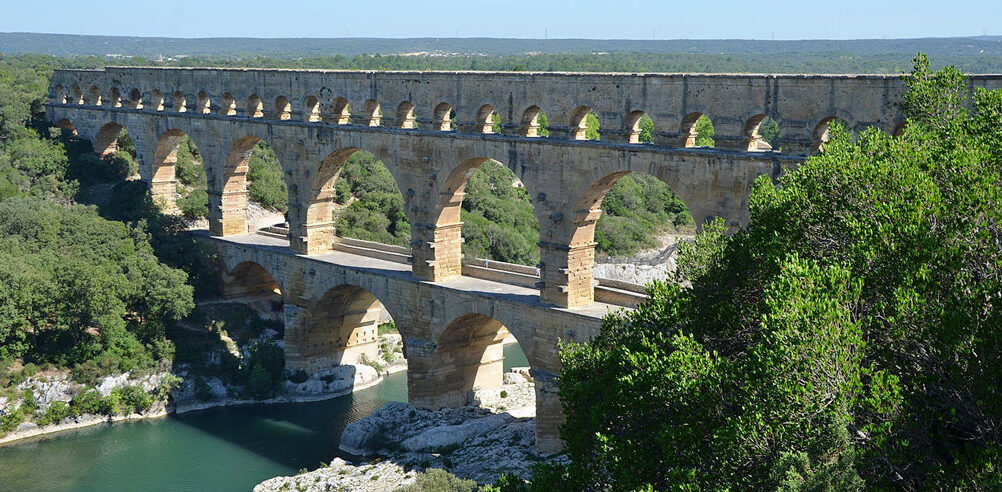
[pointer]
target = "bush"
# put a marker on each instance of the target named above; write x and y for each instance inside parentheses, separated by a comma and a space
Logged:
(298, 376)
(265, 370)
(10, 420)
(89, 401)
(55, 414)
(438, 480)
(195, 204)
(133, 398)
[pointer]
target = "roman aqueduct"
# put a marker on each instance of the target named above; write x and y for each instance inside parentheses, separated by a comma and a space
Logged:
(432, 130)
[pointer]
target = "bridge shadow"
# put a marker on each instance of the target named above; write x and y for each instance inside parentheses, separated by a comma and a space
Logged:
(294, 435)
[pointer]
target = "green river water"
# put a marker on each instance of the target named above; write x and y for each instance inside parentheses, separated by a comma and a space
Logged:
(221, 449)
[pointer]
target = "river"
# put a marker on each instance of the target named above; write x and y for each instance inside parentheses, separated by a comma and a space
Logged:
(220, 449)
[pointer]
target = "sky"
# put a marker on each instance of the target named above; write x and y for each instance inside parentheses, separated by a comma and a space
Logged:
(596, 19)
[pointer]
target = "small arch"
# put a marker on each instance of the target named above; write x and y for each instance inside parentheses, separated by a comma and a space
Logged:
(180, 104)
(59, 95)
(696, 130)
(443, 117)
(340, 111)
(584, 125)
(373, 113)
(486, 117)
(229, 106)
(135, 99)
(822, 131)
(156, 100)
(115, 98)
(255, 108)
(283, 109)
(753, 137)
(406, 116)
(78, 97)
(204, 103)
(67, 127)
(94, 96)
(639, 128)
(312, 109)
(534, 122)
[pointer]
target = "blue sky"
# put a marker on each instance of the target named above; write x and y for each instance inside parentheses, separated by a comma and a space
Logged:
(600, 19)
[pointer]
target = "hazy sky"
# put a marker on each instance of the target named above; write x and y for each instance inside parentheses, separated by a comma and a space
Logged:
(602, 19)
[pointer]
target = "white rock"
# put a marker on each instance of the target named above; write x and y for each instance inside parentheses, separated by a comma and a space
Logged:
(453, 435)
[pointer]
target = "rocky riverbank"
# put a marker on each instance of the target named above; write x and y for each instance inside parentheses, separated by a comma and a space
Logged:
(493, 435)
(51, 403)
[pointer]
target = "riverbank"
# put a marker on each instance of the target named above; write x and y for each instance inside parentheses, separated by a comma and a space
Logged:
(83, 421)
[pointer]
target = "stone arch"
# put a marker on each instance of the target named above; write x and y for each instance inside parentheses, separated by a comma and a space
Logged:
(445, 260)
(373, 113)
(468, 355)
(180, 103)
(530, 122)
(579, 123)
(577, 287)
(163, 180)
(485, 119)
(157, 100)
(94, 96)
(820, 135)
(78, 97)
(340, 111)
(106, 141)
(283, 108)
(443, 117)
(690, 130)
(115, 97)
(229, 106)
(135, 99)
(341, 328)
(312, 109)
(59, 95)
(406, 117)
(634, 131)
(250, 279)
(233, 200)
(67, 127)
(320, 227)
(753, 139)
(204, 103)
(255, 107)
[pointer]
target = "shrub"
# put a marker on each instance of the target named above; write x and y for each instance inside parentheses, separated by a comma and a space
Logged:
(133, 398)
(55, 414)
(298, 376)
(88, 401)
(438, 480)
(10, 420)
(195, 204)
(28, 402)
(265, 369)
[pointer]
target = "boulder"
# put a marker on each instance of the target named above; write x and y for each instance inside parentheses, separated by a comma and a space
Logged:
(447, 436)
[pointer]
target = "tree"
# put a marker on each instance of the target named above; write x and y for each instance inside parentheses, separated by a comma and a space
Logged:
(846, 337)
(704, 132)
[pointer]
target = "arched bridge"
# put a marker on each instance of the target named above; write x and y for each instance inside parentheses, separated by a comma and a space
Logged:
(432, 130)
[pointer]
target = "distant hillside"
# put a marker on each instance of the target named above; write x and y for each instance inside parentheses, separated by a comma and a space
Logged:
(80, 45)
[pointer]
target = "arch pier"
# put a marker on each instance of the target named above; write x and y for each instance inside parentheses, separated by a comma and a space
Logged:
(431, 130)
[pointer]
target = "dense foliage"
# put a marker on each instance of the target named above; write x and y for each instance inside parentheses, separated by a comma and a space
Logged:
(848, 336)
(372, 206)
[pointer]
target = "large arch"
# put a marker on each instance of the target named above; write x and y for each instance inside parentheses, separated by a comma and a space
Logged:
(447, 233)
(230, 217)
(340, 328)
(106, 141)
(320, 223)
(578, 286)
(251, 280)
(164, 176)
(468, 355)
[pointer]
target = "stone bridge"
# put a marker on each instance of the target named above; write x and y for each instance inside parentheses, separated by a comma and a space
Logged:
(432, 130)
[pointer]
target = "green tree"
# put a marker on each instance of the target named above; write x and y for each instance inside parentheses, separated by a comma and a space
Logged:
(704, 132)
(846, 337)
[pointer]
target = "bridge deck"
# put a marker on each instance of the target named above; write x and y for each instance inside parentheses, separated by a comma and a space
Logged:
(488, 288)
